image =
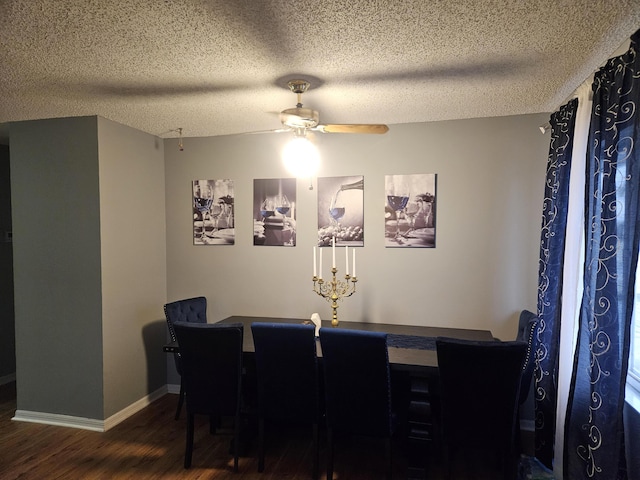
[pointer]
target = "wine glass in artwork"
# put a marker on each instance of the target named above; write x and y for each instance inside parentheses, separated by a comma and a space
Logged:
(226, 200)
(282, 205)
(427, 208)
(202, 201)
(397, 197)
(337, 208)
(216, 210)
(411, 211)
(267, 209)
(229, 213)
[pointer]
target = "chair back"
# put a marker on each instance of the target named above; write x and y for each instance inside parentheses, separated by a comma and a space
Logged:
(211, 366)
(192, 310)
(286, 370)
(527, 332)
(479, 391)
(357, 381)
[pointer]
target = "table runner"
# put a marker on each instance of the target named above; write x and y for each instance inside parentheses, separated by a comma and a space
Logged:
(415, 342)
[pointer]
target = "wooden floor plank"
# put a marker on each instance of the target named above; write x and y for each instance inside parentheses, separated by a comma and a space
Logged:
(150, 445)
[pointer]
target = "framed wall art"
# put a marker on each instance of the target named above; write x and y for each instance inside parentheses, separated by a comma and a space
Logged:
(213, 212)
(410, 210)
(341, 210)
(274, 212)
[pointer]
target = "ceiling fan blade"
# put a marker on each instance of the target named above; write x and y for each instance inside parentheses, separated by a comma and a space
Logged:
(353, 128)
(276, 130)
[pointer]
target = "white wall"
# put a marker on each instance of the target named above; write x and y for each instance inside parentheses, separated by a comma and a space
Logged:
(133, 259)
(481, 274)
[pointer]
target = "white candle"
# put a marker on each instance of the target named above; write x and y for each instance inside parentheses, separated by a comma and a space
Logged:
(315, 272)
(346, 257)
(333, 251)
(354, 263)
(320, 277)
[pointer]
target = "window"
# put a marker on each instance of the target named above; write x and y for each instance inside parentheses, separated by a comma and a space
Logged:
(633, 377)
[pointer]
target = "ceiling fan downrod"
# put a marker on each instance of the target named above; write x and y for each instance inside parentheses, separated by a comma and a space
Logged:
(299, 87)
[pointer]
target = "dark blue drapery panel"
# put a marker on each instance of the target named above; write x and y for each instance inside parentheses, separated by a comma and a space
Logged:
(552, 242)
(594, 430)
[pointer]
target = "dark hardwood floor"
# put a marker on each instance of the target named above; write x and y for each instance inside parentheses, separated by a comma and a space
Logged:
(150, 445)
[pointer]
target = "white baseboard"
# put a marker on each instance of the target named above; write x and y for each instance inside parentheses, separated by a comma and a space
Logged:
(59, 420)
(8, 378)
(173, 388)
(89, 423)
(135, 407)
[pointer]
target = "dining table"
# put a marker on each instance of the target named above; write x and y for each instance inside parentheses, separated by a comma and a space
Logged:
(413, 363)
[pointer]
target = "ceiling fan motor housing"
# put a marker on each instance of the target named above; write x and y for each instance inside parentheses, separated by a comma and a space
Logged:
(299, 117)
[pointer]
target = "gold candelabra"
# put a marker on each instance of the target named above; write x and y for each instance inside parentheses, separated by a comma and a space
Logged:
(334, 290)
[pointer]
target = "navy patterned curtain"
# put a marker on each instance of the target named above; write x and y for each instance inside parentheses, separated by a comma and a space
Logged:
(594, 431)
(552, 243)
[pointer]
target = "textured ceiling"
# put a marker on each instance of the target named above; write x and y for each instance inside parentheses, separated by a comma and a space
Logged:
(220, 67)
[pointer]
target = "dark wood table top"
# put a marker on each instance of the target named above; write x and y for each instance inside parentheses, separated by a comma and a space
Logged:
(399, 358)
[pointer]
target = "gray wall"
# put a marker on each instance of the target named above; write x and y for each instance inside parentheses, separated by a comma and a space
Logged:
(94, 261)
(481, 274)
(89, 256)
(7, 338)
(56, 229)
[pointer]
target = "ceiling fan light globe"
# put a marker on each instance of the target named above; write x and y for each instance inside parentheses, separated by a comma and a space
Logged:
(301, 158)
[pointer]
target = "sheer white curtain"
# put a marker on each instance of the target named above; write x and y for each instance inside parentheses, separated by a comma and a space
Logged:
(573, 264)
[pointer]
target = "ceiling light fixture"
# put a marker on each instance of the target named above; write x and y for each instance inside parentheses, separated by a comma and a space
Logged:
(180, 144)
(300, 156)
(179, 132)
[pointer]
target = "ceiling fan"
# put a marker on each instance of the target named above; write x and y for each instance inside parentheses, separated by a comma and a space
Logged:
(301, 120)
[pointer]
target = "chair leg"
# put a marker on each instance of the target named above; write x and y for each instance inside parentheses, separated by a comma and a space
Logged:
(180, 399)
(214, 423)
(329, 454)
(236, 442)
(261, 444)
(315, 450)
(189, 448)
(447, 460)
(389, 456)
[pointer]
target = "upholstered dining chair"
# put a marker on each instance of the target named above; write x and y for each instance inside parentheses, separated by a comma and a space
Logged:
(527, 332)
(212, 370)
(287, 377)
(357, 387)
(192, 310)
(479, 395)
(527, 329)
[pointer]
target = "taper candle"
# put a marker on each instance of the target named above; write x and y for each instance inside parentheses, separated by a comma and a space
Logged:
(320, 267)
(354, 263)
(333, 251)
(315, 272)
(346, 257)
